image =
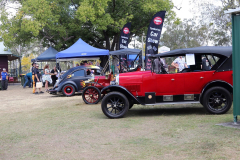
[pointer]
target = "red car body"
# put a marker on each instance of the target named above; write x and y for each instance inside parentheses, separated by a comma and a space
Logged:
(213, 88)
(138, 83)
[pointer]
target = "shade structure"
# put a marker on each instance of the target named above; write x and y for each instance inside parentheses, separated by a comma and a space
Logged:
(125, 51)
(132, 57)
(7, 53)
(81, 49)
(48, 55)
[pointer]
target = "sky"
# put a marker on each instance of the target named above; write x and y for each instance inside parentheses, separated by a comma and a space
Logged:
(185, 6)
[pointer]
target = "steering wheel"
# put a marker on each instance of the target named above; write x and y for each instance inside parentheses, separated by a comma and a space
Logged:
(186, 70)
(163, 70)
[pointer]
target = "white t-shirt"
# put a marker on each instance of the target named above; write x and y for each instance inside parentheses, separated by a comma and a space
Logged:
(181, 63)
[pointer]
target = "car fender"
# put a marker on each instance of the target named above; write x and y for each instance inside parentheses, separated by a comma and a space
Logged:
(123, 90)
(67, 82)
(226, 85)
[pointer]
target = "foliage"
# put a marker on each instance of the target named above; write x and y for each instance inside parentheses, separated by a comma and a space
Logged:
(213, 17)
(61, 23)
(26, 62)
(187, 34)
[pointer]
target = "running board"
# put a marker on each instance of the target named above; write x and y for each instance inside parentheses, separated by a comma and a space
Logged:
(189, 102)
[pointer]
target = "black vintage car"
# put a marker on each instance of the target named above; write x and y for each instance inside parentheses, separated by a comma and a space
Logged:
(73, 80)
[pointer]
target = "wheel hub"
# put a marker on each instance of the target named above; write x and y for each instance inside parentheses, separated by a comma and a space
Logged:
(68, 90)
(115, 105)
(218, 101)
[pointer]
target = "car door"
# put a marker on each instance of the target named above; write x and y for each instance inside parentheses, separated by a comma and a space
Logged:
(77, 77)
(193, 82)
(165, 84)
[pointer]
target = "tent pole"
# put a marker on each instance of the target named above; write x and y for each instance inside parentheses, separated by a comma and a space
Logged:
(143, 66)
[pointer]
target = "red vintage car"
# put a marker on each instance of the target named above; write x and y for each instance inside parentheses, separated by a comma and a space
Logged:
(206, 79)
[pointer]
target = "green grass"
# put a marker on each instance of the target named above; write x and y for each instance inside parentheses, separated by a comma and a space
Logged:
(81, 131)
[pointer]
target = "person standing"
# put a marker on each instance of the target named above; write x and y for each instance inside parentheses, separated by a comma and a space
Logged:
(47, 77)
(4, 78)
(206, 64)
(37, 75)
(179, 63)
(33, 77)
(54, 77)
(28, 78)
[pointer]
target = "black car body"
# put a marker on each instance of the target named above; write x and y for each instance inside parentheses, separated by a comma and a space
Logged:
(73, 80)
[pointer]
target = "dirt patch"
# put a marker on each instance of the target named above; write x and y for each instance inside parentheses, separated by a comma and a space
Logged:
(17, 99)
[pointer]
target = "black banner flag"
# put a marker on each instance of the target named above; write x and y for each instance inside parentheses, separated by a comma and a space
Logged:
(124, 37)
(123, 41)
(153, 37)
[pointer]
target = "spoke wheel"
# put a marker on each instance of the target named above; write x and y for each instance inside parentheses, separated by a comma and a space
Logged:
(115, 105)
(217, 100)
(68, 90)
(91, 95)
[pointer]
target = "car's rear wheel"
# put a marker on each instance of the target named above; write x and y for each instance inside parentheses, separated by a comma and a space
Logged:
(91, 95)
(68, 90)
(217, 100)
(115, 105)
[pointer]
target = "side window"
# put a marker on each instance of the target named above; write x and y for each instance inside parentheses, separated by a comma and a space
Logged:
(88, 72)
(78, 73)
(169, 61)
(211, 61)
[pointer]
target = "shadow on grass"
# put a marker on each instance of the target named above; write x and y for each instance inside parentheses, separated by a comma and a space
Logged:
(166, 111)
(61, 95)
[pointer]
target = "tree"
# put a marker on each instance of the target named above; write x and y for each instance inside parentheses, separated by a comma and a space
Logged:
(213, 17)
(26, 63)
(61, 23)
(186, 34)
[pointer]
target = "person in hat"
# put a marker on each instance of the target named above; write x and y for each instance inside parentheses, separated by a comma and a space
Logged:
(4, 78)
(33, 77)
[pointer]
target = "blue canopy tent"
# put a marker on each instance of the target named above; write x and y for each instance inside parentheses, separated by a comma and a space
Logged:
(48, 55)
(81, 49)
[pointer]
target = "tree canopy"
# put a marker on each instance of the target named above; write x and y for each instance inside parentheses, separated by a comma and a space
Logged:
(60, 23)
(185, 34)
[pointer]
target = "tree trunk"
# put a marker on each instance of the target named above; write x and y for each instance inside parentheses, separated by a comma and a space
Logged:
(107, 40)
(114, 42)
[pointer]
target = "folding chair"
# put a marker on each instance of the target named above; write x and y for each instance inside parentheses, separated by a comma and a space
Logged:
(11, 79)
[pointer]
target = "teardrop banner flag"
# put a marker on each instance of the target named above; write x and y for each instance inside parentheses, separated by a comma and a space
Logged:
(153, 37)
(124, 37)
(124, 40)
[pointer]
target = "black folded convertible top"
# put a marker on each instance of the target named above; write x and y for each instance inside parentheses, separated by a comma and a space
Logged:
(225, 51)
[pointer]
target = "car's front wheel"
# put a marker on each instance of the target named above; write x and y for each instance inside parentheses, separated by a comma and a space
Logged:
(91, 95)
(115, 105)
(217, 100)
(68, 90)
